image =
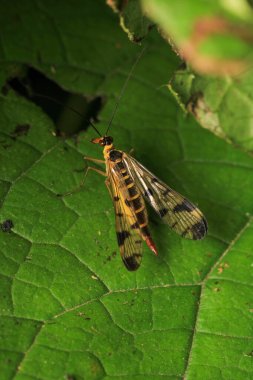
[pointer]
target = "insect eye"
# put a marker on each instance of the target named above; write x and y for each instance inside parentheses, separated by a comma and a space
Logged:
(108, 140)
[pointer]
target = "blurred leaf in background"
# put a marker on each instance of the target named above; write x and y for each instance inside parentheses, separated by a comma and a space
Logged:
(215, 38)
(69, 309)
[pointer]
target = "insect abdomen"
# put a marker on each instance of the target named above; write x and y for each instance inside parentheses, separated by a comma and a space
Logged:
(134, 200)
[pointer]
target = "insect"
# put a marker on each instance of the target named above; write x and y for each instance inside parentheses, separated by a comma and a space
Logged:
(131, 185)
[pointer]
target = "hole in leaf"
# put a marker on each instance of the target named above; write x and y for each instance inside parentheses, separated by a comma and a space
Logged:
(70, 112)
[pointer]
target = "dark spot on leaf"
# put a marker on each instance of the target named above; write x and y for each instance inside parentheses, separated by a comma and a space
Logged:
(110, 257)
(84, 316)
(20, 130)
(7, 225)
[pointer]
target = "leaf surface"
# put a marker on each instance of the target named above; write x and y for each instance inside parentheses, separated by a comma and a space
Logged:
(69, 309)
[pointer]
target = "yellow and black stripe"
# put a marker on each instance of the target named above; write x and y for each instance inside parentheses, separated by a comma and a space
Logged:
(134, 199)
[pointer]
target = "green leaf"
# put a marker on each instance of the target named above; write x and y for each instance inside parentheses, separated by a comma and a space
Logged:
(222, 104)
(215, 37)
(132, 20)
(69, 309)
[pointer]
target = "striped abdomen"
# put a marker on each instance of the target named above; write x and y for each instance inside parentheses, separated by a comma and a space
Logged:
(132, 196)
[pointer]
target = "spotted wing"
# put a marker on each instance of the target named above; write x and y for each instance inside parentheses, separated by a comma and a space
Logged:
(129, 239)
(175, 210)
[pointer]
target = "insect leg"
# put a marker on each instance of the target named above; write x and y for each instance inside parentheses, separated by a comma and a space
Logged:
(96, 160)
(107, 182)
(83, 181)
(95, 170)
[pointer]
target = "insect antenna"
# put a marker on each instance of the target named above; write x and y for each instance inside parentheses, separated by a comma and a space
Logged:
(123, 89)
(37, 95)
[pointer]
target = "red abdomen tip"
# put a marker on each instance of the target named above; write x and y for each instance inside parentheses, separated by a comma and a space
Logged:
(151, 245)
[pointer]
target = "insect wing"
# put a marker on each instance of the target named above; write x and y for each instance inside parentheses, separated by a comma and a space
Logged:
(129, 239)
(175, 210)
